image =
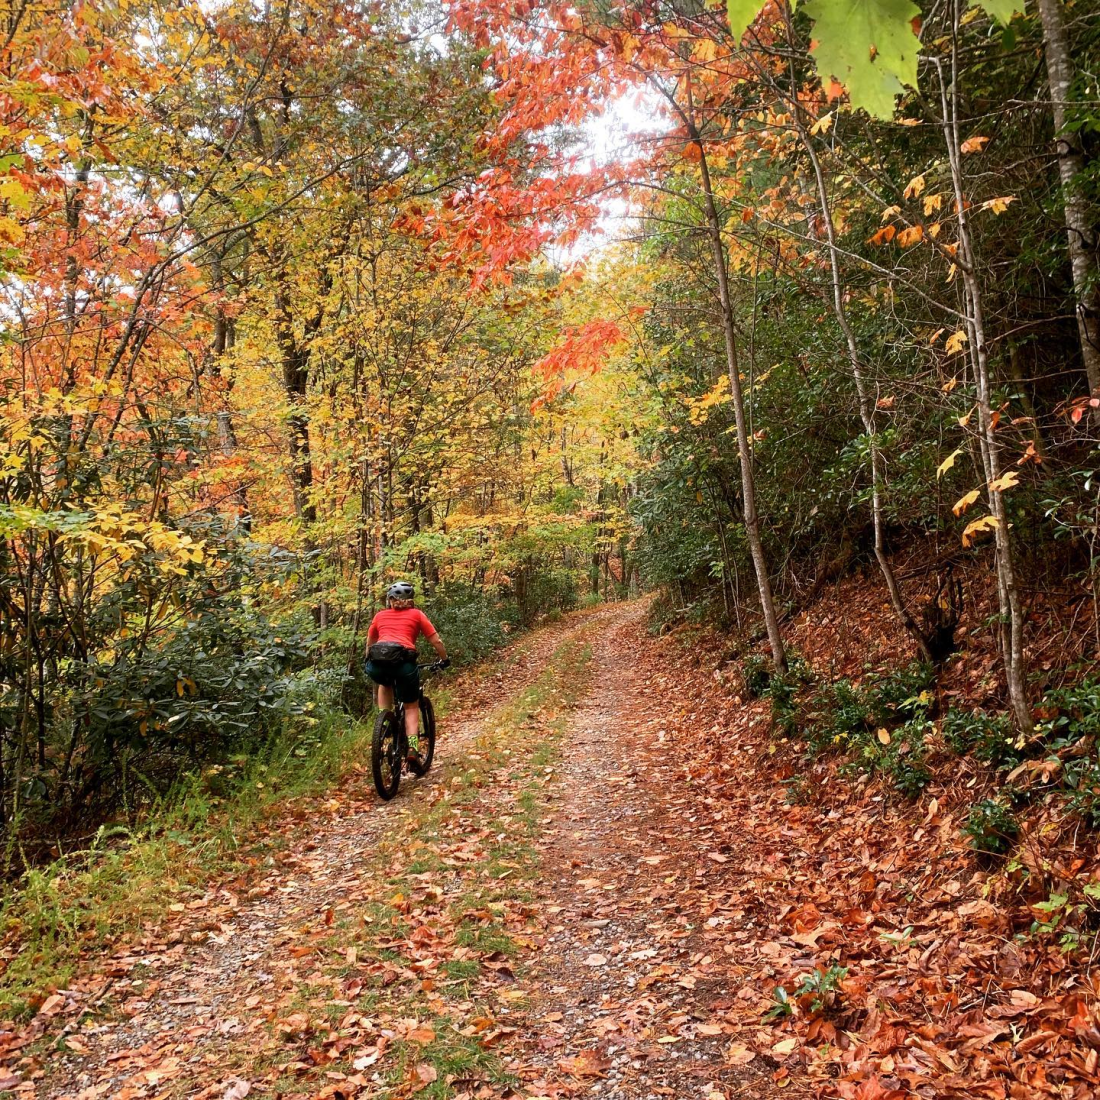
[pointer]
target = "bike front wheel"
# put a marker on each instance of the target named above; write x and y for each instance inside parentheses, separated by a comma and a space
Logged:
(385, 754)
(420, 764)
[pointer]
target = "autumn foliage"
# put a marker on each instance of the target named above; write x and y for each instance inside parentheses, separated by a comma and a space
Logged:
(544, 304)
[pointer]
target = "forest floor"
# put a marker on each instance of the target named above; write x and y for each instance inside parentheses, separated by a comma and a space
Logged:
(595, 893)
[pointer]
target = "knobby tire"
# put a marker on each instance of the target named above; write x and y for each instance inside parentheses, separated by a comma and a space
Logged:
(385, 754)
(426, 744)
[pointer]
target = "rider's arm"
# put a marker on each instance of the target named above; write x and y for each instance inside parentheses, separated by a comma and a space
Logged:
(372, 633)
(430, 632)
(436, 642)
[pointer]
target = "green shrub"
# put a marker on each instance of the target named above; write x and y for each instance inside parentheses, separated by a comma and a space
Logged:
(1075, 715)
(1082, 779)
(901, 758)
(1076, 712)
(472, 621)
(897, 695)
(756, 670)
(986, 736)
(904, 760)
(783, 691)
(992, 827)
(842, 716)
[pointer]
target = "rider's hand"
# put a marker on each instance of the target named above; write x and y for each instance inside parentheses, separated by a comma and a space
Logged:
(445, 662)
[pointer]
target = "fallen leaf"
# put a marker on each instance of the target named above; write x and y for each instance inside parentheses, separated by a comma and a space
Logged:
(426, 1074)
(737, 1054)
(588, 1063)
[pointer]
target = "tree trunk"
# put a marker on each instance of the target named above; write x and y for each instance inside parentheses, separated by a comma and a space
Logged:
(748, 484)
(295, 363)
(1012, 631)
(1071, 166)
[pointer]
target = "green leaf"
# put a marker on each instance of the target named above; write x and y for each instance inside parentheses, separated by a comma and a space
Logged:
(1001, 10)
(742, 13)
(846, 30)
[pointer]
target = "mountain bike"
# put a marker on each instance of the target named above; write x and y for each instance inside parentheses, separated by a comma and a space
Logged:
(389, 750)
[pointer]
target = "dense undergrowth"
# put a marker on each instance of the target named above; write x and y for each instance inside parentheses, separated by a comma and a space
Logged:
(215, 700)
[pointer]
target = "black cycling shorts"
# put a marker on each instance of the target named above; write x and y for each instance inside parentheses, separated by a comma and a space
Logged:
(402, 676)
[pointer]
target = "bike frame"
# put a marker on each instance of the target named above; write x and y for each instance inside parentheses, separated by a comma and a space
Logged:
(399, 707)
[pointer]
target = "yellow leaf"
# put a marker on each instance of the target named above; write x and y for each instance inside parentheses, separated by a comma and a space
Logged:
(931, 203)
(949, 385)
(1008, 480)
(947, 463)
(705, 50)
(955, 342)
(964, 420)
(883, 736)
(998, 206)
(965, 501)
(890, 212)
(986, 523)
(12, 191)
(821, 126)
(914, 187)
(11, 231)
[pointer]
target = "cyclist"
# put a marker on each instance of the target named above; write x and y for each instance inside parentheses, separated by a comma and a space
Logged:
(391, 653)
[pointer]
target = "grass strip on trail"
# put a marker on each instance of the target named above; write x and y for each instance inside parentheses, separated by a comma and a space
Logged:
(216, 826)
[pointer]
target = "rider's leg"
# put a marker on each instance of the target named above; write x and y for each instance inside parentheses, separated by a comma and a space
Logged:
(385, 697)
(412, 720)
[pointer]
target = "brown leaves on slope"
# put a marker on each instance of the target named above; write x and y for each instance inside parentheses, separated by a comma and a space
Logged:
(947, 992)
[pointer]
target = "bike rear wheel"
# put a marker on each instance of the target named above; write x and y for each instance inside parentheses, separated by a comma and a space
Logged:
(426, 747)
(385, 754)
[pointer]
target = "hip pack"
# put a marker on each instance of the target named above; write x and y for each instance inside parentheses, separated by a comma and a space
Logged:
(390, 652)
